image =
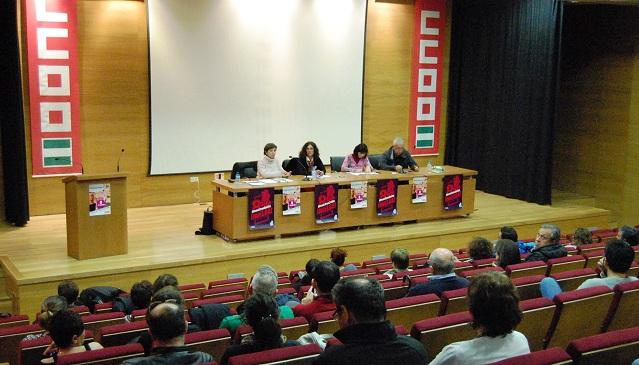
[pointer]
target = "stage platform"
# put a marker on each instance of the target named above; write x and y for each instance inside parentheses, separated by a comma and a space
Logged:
(161, 239)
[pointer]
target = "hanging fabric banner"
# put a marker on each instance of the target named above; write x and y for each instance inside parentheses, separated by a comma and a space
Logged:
(419, 190)
(260, 208)
(291, 202)
(359, 194)
(326, 203)
(54, 96)
(453, 192)
(386, 198)
(429, 36)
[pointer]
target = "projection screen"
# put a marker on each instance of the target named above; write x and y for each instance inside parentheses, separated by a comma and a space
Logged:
(229, 76)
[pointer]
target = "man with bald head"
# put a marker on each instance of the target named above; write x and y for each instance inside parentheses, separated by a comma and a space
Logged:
(397, 158)
(167, 327)
(444, 278)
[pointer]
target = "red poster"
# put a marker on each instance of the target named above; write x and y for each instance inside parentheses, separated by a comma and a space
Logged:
(386, 198)
(326, 203)
(53, 86)
(453, 185)
(426, 78)
(261, 203)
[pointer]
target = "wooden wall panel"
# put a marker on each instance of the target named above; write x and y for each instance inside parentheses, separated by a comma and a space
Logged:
(113, 51)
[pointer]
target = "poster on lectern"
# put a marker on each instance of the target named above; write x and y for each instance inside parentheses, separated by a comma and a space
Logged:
(359, 194)
(291, 200)
(453, 192)
(261, 212)
(387, 198)
(326, 203)
(419, 190)
(99, 199)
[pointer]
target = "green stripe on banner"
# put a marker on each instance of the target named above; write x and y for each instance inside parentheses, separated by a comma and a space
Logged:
(424, 143)
(57, 161)
(425, 129)
(56, 143)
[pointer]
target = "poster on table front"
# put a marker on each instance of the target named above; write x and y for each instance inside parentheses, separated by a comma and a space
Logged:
(386, 198)
(99, 199)
(260, 208)
(419, 190)
(291, 202)
(359, 194)
(326, 203)
(453, 192)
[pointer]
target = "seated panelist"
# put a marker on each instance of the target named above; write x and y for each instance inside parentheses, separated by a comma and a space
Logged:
(307, 160)
(357, 161)
(397, 158)
(269, 166)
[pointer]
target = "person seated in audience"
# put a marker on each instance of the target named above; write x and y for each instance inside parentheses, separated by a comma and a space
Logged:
(628, 234)
(264, 282)
(338, 256)
(168, 328)
(307, 160)
(303, 278)
(139, 298)
(262, 314)
(509, 233)
(401, 260)
(494, 305)
(479, 249)
(67, 331)
(358, 160)
(269, 166)
(443, 278)
(397, 158)
(547, 244)
(325, 276)
(506, 253)
(614, 268)
(164, 280)
(69, 290)
(50, 306)
(367, 337)
(582, 236)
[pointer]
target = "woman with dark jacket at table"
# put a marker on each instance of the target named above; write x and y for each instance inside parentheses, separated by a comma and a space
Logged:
(308, 158)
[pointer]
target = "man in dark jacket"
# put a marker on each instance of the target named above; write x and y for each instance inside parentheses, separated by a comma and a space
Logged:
(547, 244)
(168, 327)
(444, 278)
(397, 158)
(366, 336)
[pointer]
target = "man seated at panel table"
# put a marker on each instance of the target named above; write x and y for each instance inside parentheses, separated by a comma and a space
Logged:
(397, 158)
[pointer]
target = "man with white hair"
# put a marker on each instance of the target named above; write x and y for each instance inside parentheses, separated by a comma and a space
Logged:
(444, 278)
(397, 158)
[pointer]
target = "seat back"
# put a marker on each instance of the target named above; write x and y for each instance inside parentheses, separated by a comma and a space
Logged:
(10, 337)
(227, 282)
(192, 288)
(406, 311)
(567, 263)
(537, 315)
(470, 273)
(593, 257)
(394, 289)
(246, 169)
(624, 308)
(579, 313)
(224, 291)
(583, 249)
(611, 348)
(31, 350)
(14, 320)
(528, 286)
(357, 273)
(292, 328)
(336, 163)
(212, 342)
(232, 301)
(570, 280)
(417, 273)
(376, 160)
(294, 355)
(460, 267)
(478, 264)
(324, 323)
(435, 333)
(368, 264)
(454, 301)
(553, 356)
(526, 269)
(121, 334)
(94, 322)
(106, 356)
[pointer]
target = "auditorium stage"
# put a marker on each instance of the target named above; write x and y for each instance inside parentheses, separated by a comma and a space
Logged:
(161, 239)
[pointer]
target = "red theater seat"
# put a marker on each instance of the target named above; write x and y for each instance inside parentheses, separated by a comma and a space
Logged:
(227, 282)
(120, 334)
(31, 350)
(435, 333)
(94, 322)
(380, 277)
(537, 315)
(528, 286)
(406, 311)
(103, 307)
(106, 356)
(357, 273)
(616, 347)
(624, 310)
(570, 280)
(323, 323)
(10, 337)
(374, 263)
(478, 264)
(553, 356)
(470, 273)
(413, 274)
(212, 342)
(526, 269)
(14, 320)
(591, 247)
(593, 257)
(380, 269)
(81, 309)
(224, 291)
(394, 289)
(232, 301)
(292, 328)
(567, 263)
(192, 288)
(460, 267)
(295, 355)
(454, 301)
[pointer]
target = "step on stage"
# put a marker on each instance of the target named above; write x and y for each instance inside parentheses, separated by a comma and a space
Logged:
(161, 239)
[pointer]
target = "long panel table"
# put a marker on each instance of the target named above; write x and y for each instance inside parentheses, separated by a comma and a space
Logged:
(230, 203)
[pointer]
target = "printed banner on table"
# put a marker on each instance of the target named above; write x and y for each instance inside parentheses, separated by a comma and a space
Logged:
(99, 199)
(386, 198)
(426, 78)
(359, 194)
(326, 203)
(419, 190)
(261, 212)
(453, 192)
(54, 93)
(291, 202)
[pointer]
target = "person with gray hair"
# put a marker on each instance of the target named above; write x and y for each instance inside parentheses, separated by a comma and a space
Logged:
(444, 278)
(397, 158)
(547, 244)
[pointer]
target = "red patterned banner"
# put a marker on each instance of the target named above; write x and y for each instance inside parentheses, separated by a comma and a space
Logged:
(427, 73)
(453, 193)
(53, 87)
(326, 203)
(261, 203)
(386, 198)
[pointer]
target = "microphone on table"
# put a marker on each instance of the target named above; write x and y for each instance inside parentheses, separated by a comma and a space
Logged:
(119, 158)
(303, 167)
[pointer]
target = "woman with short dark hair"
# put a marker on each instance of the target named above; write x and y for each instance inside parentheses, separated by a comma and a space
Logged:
(506, 253)
(480, 248)
(494, 305)
(67, 331)
(358, 161)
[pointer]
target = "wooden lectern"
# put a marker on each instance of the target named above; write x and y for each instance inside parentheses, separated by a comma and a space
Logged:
(96, 215)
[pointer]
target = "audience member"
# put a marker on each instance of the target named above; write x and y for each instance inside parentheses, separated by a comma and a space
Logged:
(139, 298)
(494, 305)
(163, 281)
(614, 268)
(67, 331)
(547, 244)
(508, 233)
(444, 278)
(303, 278)
(50, 306)
(397, 158)
(367, 337)
(479, 249)
(401, 260)
(325, 276)
(582, 236)
(628, 234)
(262, 315)
(506, 253)
(69, 290)
(168, 327)
(338, 256)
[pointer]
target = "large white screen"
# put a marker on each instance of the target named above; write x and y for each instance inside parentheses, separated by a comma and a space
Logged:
(228, 76)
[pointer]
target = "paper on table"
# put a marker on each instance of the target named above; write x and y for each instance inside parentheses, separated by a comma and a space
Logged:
(268, 181)
(255, 183)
